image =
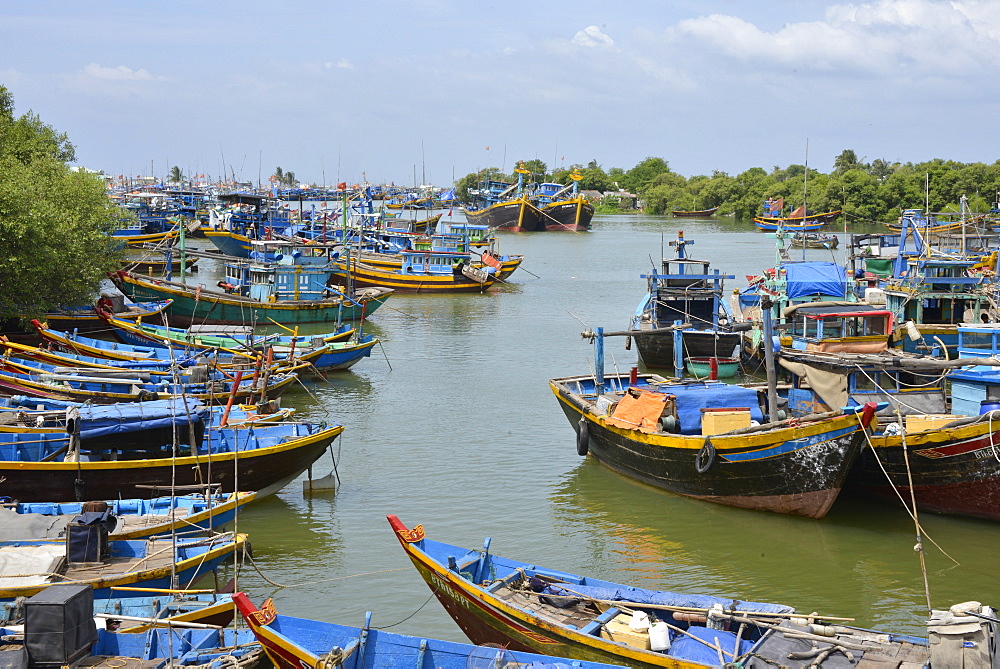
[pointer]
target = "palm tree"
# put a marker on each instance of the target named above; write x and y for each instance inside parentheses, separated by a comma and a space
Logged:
(176, 175)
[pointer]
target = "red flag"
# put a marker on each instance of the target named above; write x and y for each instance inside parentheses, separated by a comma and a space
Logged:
(342, 185)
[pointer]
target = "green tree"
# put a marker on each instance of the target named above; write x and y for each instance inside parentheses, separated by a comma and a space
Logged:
(55, 222)
(176, 175)
(641, 176)
(847, 160)
(538, 170)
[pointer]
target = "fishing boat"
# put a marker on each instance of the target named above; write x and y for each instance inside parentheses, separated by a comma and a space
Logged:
(63, 625)
(30, 377)
(774, 224)
(711, 441)
(87, 319)
(200, 305)
(527, 607)
(504, 206)
(685, 291)
(420, 272)
(50, 467)
(814, 240)
(694, 213)
(934, 441)
(294, 643)
(798, 220)
(31, 566)
(563, 207)
(332, 351)
(180, 515)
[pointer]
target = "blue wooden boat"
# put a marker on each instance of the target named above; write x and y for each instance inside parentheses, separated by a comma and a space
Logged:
(64, 625)
(180, 515)
(524, 606)
(83, 319)
(294, 643)
(31, 566)
(683, 290)
(49, 466)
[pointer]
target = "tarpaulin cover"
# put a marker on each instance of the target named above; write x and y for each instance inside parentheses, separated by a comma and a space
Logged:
(639, 413)
(815, 278)
(662, 598)
(879, 266)
(123, 417)
(688, 649)
(691, 399)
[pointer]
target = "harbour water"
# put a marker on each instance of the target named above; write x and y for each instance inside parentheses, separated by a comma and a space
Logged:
(463, 435)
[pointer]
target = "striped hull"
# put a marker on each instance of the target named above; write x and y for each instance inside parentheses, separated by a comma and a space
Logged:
(953, 471)
(366, 276)
(214, 308)
(573, 215)
(265, 470)
(798, 470)
(516, 216)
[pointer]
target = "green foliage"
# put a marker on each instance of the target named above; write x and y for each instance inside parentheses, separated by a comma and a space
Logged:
(473, 180)
(54, 222)
(176, 176)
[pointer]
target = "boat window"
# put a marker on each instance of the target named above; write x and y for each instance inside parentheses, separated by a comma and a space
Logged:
(981, 340)
(868, 381)
(912, 381)
(832, 327)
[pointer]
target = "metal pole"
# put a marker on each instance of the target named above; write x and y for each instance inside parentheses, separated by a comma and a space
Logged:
(599, 362)
(772, 379)
(678, 349)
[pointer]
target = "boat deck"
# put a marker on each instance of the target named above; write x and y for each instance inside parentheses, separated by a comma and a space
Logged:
(791, 646)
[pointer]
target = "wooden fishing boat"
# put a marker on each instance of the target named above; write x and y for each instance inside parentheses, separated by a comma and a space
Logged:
(32, 566)
(136, 237)
(150, 262)
(262, 458)
(699, 440)
(773, 224)
(694, 213)
(814, 240)
(203, 306)
(329, 352)
(104, 387)
(294, 643)
(526, 607)
(711, 368)
(936, 444)
(683, 290)
(421, 272)
(86, 319)
(181, 515)
(504, 206)
(63, 625)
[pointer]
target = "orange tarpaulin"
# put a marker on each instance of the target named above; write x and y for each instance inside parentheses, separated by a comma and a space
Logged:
(639, 413)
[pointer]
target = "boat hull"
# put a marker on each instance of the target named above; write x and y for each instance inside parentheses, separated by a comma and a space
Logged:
(366, 276)
(656, 351)
(207, 307)
(796, 470)
(515, 216)
(953, 471)
(264, 470)
(573, 215)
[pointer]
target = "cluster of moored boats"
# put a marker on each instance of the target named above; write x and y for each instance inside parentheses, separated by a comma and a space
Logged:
(123, 461)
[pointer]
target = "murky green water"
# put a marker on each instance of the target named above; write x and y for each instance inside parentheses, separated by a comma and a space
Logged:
(463, 435)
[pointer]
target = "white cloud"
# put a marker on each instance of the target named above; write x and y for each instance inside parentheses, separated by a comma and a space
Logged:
(593, 37)
(342, 64)
(120, 73)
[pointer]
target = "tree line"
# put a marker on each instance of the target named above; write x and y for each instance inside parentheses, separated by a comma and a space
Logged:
(864, 191)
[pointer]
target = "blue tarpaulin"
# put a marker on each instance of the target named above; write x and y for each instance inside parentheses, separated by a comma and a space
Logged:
(691, 399)
(662, 598)
(122, 417)
(815, 278)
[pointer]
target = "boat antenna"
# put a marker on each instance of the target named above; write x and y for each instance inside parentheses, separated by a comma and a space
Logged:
(805, 188)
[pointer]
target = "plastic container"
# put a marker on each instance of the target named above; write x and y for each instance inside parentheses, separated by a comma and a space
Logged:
(639, 622)
(659, 636)
(987, 406)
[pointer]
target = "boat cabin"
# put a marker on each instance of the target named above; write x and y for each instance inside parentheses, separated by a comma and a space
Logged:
(837, 328)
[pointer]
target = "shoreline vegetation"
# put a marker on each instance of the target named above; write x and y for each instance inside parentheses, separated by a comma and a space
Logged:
(865, 192)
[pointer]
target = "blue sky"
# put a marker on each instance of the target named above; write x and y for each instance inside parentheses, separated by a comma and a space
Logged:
(334, 90)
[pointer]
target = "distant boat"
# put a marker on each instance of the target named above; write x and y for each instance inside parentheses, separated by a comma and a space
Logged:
(421, 272)
(695, 213)
(773, 224)
(814, 240)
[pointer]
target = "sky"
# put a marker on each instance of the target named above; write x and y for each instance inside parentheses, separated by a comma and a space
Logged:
(426, 91)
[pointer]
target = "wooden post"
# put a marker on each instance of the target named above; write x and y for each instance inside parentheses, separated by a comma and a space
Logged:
(678, 349)
(772, 378)
(599, 362)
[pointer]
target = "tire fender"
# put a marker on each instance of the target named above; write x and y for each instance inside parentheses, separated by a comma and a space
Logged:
(705, 458)
(583, 436)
